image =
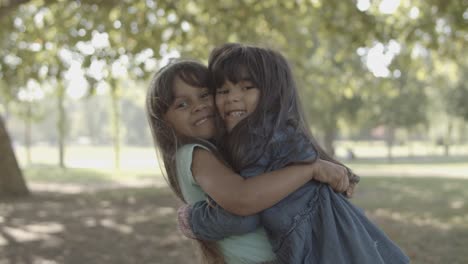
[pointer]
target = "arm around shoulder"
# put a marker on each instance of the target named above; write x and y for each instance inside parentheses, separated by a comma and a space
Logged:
(246, 196)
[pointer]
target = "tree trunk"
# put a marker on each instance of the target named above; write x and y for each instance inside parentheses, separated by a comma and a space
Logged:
(6, 117)
(390, 139)
(11, 179)
(409, 143)
(115, 123)
(447, 140)
(61, 123)
(463, 132)
(27, 133)
(90, 113)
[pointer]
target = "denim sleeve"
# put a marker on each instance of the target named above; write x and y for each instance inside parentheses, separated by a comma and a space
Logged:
(211, 222)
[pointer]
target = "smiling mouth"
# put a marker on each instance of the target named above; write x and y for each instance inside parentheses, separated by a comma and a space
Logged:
(235, 113)
(203, 120)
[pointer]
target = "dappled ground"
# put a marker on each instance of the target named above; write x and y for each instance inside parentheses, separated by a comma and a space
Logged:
(427, 217)
(118, 226)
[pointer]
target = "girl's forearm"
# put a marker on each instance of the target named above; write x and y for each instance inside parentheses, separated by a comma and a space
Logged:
(247, 196)
(265, 190)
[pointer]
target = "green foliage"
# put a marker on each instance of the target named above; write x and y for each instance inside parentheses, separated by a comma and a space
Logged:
(320, 38)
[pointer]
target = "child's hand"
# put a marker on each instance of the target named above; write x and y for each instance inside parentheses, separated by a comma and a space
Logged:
(353, 181)
(333, 174)
(183, 221)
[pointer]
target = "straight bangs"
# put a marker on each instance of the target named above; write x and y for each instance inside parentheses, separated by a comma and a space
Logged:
(234, 63)
(237, 63)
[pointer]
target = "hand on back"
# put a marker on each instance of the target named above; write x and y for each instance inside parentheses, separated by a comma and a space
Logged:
(336, 176)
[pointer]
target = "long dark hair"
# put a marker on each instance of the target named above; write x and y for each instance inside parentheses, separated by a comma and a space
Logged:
(278, 105)
(159, 98)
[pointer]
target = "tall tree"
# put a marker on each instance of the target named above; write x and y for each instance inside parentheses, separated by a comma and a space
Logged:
(11, 179)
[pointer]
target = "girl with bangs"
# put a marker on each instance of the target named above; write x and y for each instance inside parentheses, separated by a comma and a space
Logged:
(265, 130)
(181, 114)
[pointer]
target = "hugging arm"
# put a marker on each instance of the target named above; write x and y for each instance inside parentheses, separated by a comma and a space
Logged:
(251, 195)
(206, 220)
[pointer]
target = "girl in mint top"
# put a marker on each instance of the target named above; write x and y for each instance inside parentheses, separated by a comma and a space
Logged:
(181, 117)
(253, 247)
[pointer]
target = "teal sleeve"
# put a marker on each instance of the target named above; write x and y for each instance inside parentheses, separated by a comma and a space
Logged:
(189, 187)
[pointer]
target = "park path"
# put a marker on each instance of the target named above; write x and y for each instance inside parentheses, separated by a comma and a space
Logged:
(404, 170)
(71, 188)
(456, 171)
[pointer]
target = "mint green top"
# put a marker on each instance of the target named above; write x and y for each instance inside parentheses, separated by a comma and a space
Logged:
(249, 248)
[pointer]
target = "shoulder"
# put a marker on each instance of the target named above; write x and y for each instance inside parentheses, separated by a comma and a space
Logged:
(189, 186)
(185, 159)
(286, 137)
(197, 158)
(290, 144)
(205, 159)
(189, 148)
(185, 153)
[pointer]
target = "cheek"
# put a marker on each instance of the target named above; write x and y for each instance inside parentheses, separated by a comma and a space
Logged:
(254, 98)
(176, 122)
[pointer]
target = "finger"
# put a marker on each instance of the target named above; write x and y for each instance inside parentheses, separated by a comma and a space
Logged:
(343, 184)
(354, 178)
(337, 187)
(350, 190)
(346, 181)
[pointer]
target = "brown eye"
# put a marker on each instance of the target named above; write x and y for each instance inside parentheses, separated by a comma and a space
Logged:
(222, 91)
(248, 85)
(181, 105)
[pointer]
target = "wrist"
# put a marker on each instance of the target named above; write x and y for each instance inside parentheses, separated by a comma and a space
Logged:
(316, 168)
(183, 217)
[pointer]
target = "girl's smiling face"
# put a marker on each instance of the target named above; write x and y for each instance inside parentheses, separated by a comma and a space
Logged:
(191, 112)
(236, 101)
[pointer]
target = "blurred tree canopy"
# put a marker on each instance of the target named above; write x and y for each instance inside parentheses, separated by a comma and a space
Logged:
(360, 63)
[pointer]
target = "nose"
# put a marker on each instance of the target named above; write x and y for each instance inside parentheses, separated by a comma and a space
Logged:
(200, 106)
(234, 95)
